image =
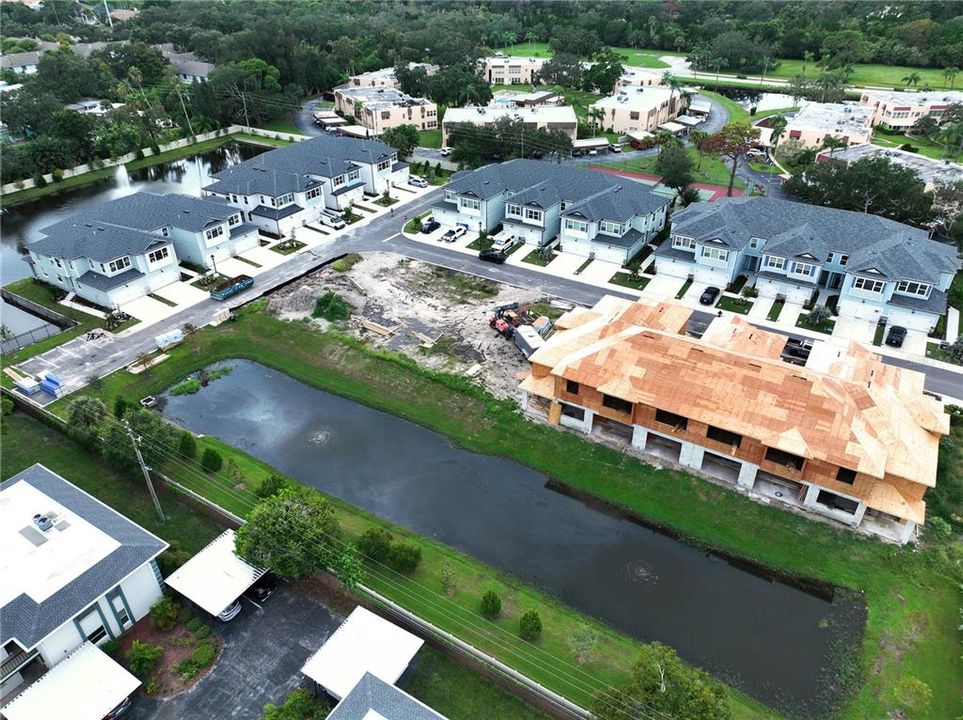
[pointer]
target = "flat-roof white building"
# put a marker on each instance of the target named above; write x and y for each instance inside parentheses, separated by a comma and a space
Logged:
(638, 107)
(541, 117)
(817, 121)
(386, 76)
(899, 110)
(929, 170)
(73, 571)
(380, 108)
(502, 70)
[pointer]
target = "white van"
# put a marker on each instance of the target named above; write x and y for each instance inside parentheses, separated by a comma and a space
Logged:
(331, 218)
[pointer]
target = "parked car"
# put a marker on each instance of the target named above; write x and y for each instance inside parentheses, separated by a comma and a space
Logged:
(494, 256)
(896, 336)
(453, 234)
(263, 588)
(615, 147)
(754, 153)
(708, 296)
(230, 612)
(121, 709)
(504, 243)
(417, 181)
(331, 219)
(446, 151)
(429, 225)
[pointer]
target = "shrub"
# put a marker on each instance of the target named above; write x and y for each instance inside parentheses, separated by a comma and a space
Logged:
(120, 406)
(211, 460)
(111, 647)
(819, 315)
(187, 669)
(491, 605)
(375, 543)
(939, 527)
(142, 657)
(530, 626)
(204, 655)
(909, 148)
(188, 445)
(204, 631)
(172, 558)
(194, 623)
(404, 557)
(39, 180)
(163, 615)
(331, 307)
(448, 581)
(7, 405)
(152, 687)
(57, 174)
(269, 486)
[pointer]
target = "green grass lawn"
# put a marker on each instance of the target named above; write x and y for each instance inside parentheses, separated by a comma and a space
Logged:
(536, 257)
(889, 76)
(284, 125)
(712, 171)
(926, 147)
(775, 311)
(632, 56)
(27, 441)
(913, 594)
(429, 138)
(683, 290)
(737, 305)
(826, 326)
(626, 280)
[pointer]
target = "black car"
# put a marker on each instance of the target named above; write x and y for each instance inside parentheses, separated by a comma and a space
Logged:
(896, 336)
(430, 226)
(263, 588)
(709, 295)
(494, 256)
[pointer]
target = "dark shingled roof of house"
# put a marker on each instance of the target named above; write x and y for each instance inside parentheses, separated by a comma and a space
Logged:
(105, 282)
(372, 695)
(588, 193)
(29, 622)
(99, 242)
(793, 229)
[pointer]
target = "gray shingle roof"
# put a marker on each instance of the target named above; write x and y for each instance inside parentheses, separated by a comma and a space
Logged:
(150, 211)
(935, 303)
(99, 242)
(12, 60)
(372, 694)
(28, 621)
(594, 194)
(290, 167)
(791, 228)
(276, 213)
(103, 282)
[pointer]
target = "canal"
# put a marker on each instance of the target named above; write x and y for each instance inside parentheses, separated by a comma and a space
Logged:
(21, 224)
(773, 640)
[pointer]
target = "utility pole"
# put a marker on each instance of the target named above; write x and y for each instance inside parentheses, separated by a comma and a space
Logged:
(110, 20)
(247, 119)
(144, 469)
(184, 108)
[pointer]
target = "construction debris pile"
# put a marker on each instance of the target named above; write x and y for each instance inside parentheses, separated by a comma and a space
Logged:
(444, 320)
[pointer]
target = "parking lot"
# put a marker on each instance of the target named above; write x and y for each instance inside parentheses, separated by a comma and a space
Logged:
(264, 650)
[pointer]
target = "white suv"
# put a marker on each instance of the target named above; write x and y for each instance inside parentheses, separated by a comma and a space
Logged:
(503, 241)
(331, 219)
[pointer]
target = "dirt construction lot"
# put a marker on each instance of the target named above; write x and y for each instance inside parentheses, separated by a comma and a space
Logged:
(406, 303)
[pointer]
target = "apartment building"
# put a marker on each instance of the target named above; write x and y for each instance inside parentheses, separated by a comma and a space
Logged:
(635, 108)
(847, 437)
(386, 76)
(380, 108)
(590, 213)
(75, 572)
(539, 117)
(640, 76)
(501, 70)
(127, 248)
(287, 187)
(929, 170)
(898, 110)
(817, 121)
(879, 268)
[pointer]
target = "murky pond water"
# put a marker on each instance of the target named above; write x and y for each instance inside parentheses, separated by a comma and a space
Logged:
(769, 638)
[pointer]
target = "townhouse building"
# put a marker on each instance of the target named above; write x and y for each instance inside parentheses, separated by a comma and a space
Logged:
(127, 248)
(590, 213)
(635, 108)
(817, 121)
(380, 108)
(929, 170)
(537, 117)
(898, 110)
(846, 437)
(386, 76)
(75, 572)
(501, 70)
(289, 186)
(879, 268)
(24, 63)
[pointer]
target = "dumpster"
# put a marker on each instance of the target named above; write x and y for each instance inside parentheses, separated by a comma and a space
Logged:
(231, 286)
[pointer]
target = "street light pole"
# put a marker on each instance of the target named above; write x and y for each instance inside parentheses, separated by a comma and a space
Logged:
(214, 264)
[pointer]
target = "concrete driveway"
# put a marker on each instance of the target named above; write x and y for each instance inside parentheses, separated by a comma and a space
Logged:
(915, 343)
(853, 329)
(663, 287)
(264, 650)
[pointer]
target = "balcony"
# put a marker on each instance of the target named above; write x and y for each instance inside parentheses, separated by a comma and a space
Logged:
(16, 661)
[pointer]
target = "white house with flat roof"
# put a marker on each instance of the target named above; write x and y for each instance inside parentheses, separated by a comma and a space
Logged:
(634, 108)
(899, 110)
(817, 121)
(539, 117)
(73, 571)
(502, 70)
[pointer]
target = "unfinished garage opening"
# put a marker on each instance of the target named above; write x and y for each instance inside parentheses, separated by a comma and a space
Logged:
(662, 447)
(779, 488)
(606, 427)
(837, 502)
(721, 467)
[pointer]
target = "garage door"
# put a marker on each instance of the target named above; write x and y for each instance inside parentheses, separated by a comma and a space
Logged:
(910, 320)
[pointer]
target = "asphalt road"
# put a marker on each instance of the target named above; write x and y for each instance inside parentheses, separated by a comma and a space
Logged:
(304, 118)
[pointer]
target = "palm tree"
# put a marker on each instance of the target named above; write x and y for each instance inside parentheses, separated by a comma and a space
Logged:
(912, 79)
(778, 124)
(597, 114)
(698, 139)
(531, 37)
(673, 83)
(827, 81)
(833, 144)
(949, 75)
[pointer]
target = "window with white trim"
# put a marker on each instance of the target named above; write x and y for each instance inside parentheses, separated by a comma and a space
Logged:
(234, 220)
(843, 259)
(681, 242)
(158, 255)
(286, 199)
(576, 225)
(908, 287)
(312, 193)
(339, 181)
(384, 165)
(756, 243)
(470, 203)
(799, 268)
(717, 254)
(531, 214)
(119, 264)
(776, 263)
(214, 232)
(869, 286)
(450, 195)
(513, 210)
(354, 175)
(611, 228)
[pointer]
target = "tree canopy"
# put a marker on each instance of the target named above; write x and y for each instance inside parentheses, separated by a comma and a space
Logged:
(504, 139)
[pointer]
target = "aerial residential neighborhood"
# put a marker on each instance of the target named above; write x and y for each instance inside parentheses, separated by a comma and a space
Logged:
(477, 361)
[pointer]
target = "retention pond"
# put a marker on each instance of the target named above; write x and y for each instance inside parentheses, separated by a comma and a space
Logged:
(774, 640)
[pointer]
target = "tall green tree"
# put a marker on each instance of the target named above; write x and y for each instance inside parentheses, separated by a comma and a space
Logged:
(675, 166)
(403, 138)
(732, 143)
(158, 439)
(604, 72)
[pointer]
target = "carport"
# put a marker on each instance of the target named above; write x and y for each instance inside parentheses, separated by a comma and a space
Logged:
(86, 685)
(216, 577)
(365, 643)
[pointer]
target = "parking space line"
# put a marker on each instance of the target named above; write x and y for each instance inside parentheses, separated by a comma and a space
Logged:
(397, 234)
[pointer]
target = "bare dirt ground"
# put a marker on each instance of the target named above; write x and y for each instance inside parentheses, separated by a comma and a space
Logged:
(452, 309)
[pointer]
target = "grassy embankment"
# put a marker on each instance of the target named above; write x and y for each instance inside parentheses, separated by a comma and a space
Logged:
(437, 681)
(924, 146)
(912, 594)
